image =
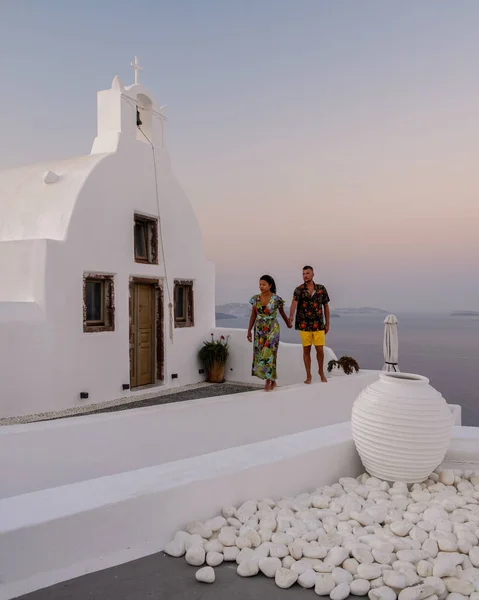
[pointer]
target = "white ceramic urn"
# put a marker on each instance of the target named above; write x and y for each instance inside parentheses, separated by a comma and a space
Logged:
(401, 427)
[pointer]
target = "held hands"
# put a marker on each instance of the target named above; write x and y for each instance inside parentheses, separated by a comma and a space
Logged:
(289, 323)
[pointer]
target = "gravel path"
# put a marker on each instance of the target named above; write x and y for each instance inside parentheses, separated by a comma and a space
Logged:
(209, 391)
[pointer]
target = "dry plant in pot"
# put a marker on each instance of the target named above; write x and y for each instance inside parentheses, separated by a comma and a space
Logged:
(348, 364)
(214, 354)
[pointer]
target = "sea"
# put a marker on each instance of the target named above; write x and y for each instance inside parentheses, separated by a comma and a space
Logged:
(441, 347)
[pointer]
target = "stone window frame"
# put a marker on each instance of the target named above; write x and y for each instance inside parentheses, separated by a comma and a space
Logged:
(108, 281)
(152, 239)
(189, 320)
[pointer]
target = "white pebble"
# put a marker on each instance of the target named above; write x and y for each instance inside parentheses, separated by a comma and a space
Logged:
(278, 550)
(324, 584)
(199, 528)
(269, 566)
(340, 592)
(401, 528)
(196, 556)
(445, 565)
(382, 593)
(228, 511)
(336, 556)
(307, 579)
(287, 562)
(459, 586)
(175, 548)
(194, 541)
(474, 556)
(351, 565)
(285, 578)
(368, 571)
(216, 523)
(438, 585)
(395, 579)
(310, 551)
(360, 587)
(300, 566)
(417, 592)
(341, 576)
(227, 536)
(213, 559)
(424, 568)
(214, 546)
(205, 575)
(248, 568)
(377, 583)
(230, 553)
(446, 477)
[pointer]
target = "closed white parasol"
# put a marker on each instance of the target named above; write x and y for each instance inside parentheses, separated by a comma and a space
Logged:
(391, 344)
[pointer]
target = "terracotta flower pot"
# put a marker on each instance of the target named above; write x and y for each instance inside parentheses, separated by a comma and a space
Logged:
(217, 373)
(401, 427)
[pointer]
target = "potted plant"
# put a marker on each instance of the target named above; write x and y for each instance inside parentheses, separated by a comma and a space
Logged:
(214, 354)
(346, 363)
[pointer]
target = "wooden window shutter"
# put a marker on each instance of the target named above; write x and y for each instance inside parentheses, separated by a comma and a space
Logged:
(190, 305)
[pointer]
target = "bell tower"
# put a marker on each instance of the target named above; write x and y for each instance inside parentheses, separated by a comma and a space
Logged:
(127, 115)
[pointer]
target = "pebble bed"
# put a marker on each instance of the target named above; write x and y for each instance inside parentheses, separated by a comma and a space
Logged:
(359, 536)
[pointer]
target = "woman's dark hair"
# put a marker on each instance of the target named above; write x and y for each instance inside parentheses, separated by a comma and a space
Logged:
(270, 281)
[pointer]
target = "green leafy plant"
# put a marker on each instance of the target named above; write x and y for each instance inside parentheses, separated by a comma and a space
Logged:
(346, 363)
(214, 351)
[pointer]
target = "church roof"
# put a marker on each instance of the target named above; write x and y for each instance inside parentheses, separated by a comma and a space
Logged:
(37, 201)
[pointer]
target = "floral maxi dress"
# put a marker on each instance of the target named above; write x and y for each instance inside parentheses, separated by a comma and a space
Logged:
(266, 337)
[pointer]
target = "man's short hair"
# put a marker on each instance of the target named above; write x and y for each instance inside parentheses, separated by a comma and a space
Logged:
(308, 267)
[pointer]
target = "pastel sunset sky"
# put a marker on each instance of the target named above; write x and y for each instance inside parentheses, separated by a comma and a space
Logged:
(340, 133)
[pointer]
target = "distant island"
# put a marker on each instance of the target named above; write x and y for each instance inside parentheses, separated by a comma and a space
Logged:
(220, 315)
(235, 310)
(364, 310)
(465, 313)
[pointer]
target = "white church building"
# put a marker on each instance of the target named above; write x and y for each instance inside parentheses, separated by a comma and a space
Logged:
(105, 287)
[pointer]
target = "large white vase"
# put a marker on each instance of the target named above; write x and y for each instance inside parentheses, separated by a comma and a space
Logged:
(401, 427)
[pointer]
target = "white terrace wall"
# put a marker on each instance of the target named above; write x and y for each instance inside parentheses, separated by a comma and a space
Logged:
(290, 359)
(70, 450)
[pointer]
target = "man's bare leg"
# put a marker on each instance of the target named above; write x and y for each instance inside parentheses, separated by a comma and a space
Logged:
(320, 356)
(307, 363)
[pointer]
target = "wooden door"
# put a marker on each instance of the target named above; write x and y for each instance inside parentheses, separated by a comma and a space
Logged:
(142, 335)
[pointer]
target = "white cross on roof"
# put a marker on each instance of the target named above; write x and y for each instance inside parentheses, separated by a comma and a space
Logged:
(136, 66)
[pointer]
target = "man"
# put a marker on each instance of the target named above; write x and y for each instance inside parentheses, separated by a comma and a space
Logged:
(309, 300)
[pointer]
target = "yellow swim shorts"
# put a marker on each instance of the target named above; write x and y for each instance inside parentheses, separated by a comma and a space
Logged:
(312, 338)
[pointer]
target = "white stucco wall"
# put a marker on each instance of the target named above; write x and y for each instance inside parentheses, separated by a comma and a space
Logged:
(50, 234)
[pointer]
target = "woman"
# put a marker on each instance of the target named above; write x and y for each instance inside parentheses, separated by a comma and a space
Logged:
(266, 331)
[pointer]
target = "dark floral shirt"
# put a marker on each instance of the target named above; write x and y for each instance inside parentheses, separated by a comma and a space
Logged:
(309, 312)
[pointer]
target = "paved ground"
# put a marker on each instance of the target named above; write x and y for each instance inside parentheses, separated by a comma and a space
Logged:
(217, 389)
(161, 577)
